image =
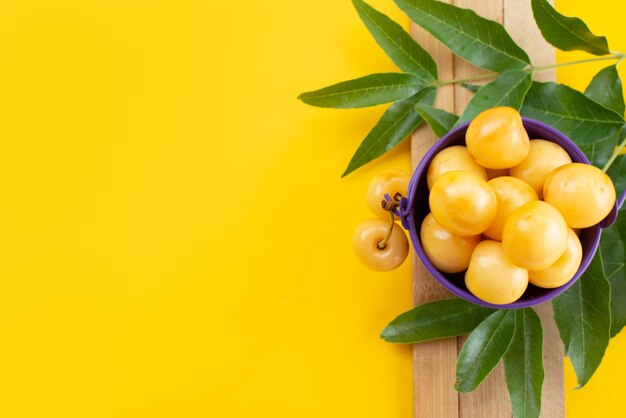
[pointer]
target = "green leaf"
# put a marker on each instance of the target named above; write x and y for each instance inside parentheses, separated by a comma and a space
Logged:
(571, 112)
(567, 33)
(482, 42)
(483, 349)
(600, 151)
(583, 317)
(399, 46)
(439, 120)
(471, 87)
(606, 89)
(613, 247)
(617, 172)
(507, 90)
(393, 127)
(370, 90)
(439, 319)
(523, 365)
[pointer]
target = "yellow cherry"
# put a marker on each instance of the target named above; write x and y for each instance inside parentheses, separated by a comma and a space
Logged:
(512, 193)
(455, 158)
(543, 157)
(496, 138)
(366, 239)
(449, 252)
(534, 235)
(584, 194)
(563, 269)
(390, 182)
(492, 277)
(463, 203)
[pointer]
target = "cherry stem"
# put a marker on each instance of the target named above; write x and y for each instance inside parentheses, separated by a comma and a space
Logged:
(382, 244)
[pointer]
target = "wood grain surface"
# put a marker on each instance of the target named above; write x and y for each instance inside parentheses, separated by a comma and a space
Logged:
(435, 362)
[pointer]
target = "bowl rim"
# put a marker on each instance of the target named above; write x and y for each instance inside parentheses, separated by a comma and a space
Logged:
(408, 219)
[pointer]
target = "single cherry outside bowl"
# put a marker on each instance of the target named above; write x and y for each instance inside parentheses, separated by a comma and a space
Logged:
(414, 208)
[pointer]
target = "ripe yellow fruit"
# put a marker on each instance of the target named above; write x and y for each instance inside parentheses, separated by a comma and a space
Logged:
(390, 182)
(455, 158)
(563, 269)
(449, 252)
(512, 193)
(496, 138)
(463, 203)
(492, 277)
(584, 194)
(365, 243)
(543, 157)
(535, 235)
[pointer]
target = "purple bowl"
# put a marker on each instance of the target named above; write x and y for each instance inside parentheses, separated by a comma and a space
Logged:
(414, 208)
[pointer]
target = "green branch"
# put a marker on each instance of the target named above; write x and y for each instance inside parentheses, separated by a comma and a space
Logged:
(619, 56)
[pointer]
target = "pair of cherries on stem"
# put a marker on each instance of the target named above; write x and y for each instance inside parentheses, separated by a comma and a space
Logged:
(380, 244)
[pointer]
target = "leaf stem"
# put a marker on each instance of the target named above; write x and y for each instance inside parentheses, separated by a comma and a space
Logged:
(619, 56)
(613, 56)
(463, 80)
(614, 156)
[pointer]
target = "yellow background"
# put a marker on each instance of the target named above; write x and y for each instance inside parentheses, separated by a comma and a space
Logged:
(175, 234)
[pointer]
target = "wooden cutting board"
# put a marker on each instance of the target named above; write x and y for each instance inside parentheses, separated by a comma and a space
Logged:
(435, 361)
